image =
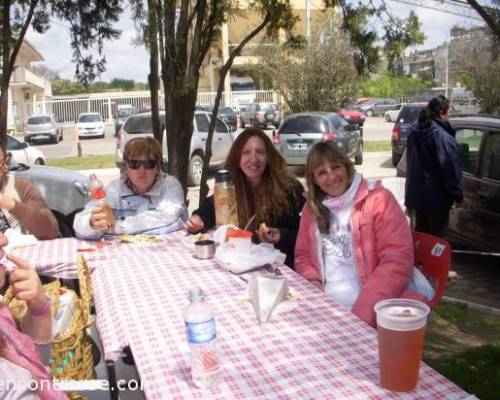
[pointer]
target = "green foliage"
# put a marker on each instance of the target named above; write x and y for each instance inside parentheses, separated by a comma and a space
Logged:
(317, 77)
(399, 35)
(62, 87)
(394, 86)
(464, 346)
(366, 58)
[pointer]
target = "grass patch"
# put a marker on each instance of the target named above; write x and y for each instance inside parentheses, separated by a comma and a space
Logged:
(464, 346)
(85, 162)
(377, 145)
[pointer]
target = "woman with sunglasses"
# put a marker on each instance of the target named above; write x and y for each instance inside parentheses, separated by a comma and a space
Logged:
(21, 204)
(265, 193)
(144, 199)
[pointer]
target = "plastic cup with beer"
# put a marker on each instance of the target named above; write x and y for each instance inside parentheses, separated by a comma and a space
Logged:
(401, 326)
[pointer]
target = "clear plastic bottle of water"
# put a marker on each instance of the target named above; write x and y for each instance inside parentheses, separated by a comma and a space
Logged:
(201, 335)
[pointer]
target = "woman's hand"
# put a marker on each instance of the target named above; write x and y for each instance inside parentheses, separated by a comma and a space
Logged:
(194, 224)
(269, 235)
(6, 203)
(99, 218)
(318, 284)
(26, 284)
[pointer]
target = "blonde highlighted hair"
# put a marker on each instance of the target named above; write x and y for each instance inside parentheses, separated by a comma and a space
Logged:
(320, 153)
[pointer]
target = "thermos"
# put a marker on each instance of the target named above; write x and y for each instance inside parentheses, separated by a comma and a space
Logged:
(225, 199)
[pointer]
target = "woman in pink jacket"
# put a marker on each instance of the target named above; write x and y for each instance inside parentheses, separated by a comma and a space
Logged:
(354, 241)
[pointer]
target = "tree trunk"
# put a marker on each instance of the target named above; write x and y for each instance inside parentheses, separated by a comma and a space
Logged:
(9, 58)
(153, 77)
(220, 89)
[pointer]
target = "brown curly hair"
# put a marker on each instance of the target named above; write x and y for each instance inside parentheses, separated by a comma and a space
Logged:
(271, 198)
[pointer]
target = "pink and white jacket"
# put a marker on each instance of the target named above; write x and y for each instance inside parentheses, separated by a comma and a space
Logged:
(382, 245)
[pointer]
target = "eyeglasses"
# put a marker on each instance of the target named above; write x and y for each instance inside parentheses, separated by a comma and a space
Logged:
(136, 164)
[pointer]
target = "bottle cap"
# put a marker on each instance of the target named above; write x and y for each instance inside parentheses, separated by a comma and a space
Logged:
(223, 175)
(196, 294)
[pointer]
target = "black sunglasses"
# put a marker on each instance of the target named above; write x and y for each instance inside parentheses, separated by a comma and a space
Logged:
(136, 164)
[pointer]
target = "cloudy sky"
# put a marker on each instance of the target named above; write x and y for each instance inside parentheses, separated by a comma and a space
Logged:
(124, 60)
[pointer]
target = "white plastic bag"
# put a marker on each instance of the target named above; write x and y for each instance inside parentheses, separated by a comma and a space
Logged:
(237, 262)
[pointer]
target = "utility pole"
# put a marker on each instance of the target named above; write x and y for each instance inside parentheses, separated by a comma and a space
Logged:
(446, 71)
(308, 22)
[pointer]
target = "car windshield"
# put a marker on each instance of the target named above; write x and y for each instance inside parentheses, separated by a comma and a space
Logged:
(38, 120)
(141, 124)
(89, 118)
(304, 124)
(409, 114)
(226, 110)
(266, 107)
(125, 112)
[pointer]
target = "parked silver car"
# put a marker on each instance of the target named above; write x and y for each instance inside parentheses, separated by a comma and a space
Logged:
(64, 191)
(40, 128)
(141, 125)
(299, 132)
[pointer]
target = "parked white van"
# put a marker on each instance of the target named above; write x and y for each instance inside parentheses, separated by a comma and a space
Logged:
(90, 125)
(140, 125)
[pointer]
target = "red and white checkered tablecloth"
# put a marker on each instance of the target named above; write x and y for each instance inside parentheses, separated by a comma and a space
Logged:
(58, 257)
(316, 351)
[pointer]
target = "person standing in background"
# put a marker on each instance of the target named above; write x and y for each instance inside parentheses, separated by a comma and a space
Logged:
(434, 168)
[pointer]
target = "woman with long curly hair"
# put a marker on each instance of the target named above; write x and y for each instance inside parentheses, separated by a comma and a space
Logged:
(264, 189)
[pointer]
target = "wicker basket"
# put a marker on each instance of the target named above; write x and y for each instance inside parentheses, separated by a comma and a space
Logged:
(71, 354)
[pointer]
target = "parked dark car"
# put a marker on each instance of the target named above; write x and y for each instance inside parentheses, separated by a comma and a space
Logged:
(299, 132)
(228, 115)
(407, 116)
(260, 115)
(124, 111)
(477, 223)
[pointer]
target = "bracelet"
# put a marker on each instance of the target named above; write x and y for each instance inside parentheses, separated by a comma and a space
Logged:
(42, 311)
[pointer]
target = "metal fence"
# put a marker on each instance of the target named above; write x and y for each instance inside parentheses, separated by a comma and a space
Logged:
(67, 109)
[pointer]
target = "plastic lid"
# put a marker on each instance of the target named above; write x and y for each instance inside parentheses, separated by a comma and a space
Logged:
(401, 314)
(223, 175)
(196, 294)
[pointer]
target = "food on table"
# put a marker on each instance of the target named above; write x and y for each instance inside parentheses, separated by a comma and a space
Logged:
(140, 239)
(263, 229)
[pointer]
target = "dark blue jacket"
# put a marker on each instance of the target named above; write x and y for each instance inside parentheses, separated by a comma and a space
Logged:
(434, 167)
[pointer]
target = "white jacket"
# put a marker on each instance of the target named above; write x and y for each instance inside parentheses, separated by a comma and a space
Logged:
(160, 210)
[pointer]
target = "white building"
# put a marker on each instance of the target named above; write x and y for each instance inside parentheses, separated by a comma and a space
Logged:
(26, 88)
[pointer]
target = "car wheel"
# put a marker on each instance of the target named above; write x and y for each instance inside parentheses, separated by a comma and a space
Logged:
(61, 138)
(395, 158)
(369, 113)
(195, 170)
(39, 161)
(56, 139)
(387, 118)
(358, 159)
(242, 123)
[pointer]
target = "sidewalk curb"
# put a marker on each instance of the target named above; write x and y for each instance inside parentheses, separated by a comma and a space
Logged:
(473, 306)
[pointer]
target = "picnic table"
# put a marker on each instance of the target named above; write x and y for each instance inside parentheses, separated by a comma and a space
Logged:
(316, 350)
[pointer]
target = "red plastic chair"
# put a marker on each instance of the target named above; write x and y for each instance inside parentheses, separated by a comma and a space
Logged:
(433, 259)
